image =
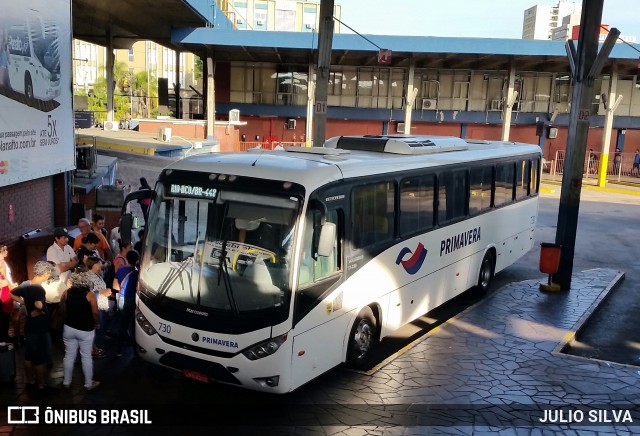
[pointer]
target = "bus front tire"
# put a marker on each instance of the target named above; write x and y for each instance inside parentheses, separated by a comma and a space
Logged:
(485, 277)
(362, 339)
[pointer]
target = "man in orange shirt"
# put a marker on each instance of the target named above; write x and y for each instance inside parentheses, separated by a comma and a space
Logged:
(84, 225)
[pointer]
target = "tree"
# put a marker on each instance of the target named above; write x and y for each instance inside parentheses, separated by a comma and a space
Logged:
(198, 69)
(98, 95)
(146, 91)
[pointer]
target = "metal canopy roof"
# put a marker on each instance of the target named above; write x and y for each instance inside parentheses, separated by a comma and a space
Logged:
(134, 20)
(426, 52)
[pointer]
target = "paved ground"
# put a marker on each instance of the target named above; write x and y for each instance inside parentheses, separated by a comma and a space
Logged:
(494, 367)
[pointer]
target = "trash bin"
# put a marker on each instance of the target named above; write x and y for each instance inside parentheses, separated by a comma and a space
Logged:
(549, 264)
(549, 257)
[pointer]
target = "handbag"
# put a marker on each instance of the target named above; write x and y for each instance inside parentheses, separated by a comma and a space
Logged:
(7, 301)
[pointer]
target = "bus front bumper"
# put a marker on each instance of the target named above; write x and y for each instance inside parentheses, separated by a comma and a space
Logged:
(269, 374)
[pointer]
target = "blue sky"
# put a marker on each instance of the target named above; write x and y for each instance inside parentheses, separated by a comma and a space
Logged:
(465, 18)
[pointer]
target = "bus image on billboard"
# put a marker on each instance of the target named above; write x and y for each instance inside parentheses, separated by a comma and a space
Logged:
(34, 58)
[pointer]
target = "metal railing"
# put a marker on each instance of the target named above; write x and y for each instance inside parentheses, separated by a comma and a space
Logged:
(619, 165)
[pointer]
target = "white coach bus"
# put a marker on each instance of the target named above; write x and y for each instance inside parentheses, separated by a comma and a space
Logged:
(266, 269)
(34, 58)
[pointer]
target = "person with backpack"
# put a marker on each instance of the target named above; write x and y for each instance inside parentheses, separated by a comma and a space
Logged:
(125, 284)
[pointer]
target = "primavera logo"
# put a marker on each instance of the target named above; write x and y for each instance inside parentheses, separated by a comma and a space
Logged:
(413, 264)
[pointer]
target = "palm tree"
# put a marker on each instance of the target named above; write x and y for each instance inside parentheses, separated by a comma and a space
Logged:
(146, 89)
(98, 96)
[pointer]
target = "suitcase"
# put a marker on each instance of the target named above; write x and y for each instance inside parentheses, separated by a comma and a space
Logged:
(7, 363)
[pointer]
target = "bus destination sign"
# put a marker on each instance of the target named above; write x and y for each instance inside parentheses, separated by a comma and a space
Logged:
(192, 191)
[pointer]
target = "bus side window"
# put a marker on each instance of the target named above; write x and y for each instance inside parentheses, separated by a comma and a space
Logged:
(416, 204)
(372, 214)
(522, 179)
(504, 184)
(312, 266)
(534, 186)
(480, 189)
(452, 196)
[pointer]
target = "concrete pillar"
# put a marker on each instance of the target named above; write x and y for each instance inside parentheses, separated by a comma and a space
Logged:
(110, 86)
(608, 125)
(510, 99)
(308, 130)
(410, 97)
(211, 98)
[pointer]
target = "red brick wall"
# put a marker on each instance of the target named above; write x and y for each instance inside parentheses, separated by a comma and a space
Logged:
(184, 130)
(432, 129)
(33, 207)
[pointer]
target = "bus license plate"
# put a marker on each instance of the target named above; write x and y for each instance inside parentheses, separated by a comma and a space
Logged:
(195, 375)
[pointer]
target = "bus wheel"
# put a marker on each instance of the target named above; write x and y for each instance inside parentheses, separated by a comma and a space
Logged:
(362, 339)
(28, 88)
(487, 268)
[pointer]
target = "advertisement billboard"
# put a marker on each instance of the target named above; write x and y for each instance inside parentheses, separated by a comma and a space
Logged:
(36, 112)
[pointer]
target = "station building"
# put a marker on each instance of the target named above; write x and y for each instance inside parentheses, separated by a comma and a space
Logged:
(465, 87)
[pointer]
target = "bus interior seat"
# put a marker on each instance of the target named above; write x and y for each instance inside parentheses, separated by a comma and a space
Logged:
(258, 273)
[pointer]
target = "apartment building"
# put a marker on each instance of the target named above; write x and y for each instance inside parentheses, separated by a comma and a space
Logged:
(541, 20)
(279, 15)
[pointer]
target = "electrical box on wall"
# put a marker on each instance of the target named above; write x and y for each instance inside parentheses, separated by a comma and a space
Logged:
(291, 124)
(400, 128)
(552, 133)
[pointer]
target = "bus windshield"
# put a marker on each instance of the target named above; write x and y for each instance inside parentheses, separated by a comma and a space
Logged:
(219, 249)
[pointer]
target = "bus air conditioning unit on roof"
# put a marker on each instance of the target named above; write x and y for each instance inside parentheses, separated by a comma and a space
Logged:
(111, 125)
(400, 128)
(429, 104)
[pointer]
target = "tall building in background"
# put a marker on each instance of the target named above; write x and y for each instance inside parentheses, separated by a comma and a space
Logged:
(564, 32)
(280, 15)
(540, 21)
(159, 61)
(89, 62)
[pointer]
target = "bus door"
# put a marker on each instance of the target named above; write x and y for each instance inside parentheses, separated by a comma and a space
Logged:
(318, 311)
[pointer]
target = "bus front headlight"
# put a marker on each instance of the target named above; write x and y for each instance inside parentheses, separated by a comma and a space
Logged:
(144, 323)
(264, 349)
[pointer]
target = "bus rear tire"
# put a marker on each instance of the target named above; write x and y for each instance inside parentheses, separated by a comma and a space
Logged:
(28, 88)
(487, 271)
(362, 340)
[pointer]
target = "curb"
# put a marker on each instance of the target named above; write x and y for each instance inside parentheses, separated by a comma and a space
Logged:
(579, 326)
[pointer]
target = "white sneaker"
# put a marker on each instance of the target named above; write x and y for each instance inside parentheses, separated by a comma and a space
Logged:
(93, 385)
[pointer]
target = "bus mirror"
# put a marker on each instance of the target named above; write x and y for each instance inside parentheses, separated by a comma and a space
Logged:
(126, 223)
(327, 239)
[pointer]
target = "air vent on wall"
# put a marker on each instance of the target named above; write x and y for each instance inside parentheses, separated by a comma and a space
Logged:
(111, 125)
(429, 104)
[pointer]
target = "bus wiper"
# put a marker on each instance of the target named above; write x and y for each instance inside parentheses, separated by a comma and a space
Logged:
(223, 273)
(174, 275)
